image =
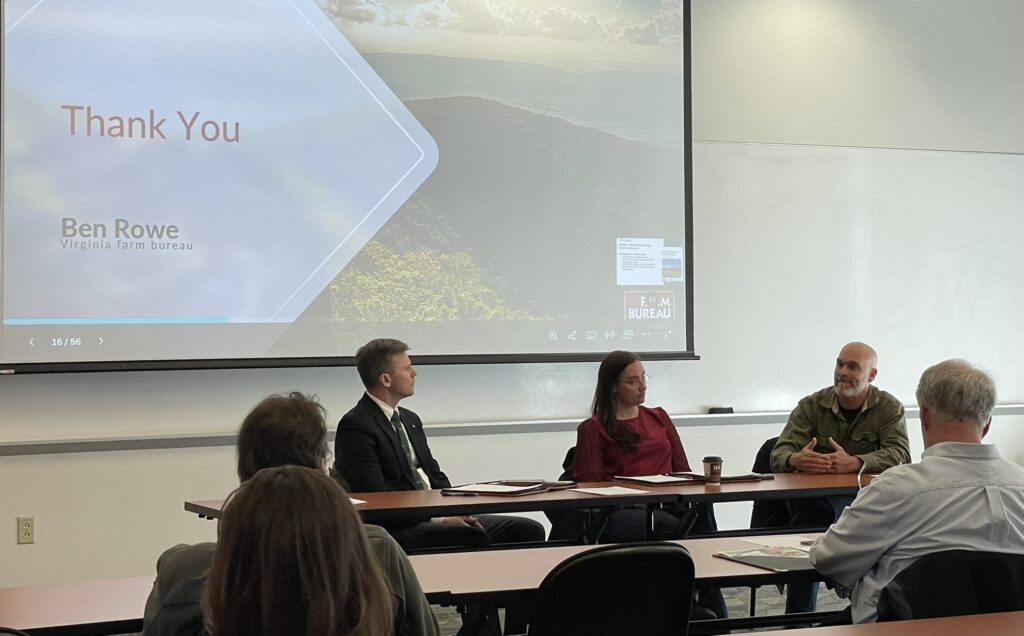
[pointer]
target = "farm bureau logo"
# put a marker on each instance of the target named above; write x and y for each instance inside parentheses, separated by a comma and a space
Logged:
(649, 305)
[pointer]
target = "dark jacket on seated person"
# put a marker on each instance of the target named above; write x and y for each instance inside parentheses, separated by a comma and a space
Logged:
(173, 606)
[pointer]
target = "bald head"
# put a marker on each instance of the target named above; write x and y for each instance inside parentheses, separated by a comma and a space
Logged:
(956, 400)
(862, 352)
(856, 368)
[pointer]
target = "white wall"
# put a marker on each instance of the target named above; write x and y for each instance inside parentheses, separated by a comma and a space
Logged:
(931, 74)
(798, 249)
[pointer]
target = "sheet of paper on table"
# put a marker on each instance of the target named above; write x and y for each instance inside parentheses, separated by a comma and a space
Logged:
(610, 490)
(655, 480)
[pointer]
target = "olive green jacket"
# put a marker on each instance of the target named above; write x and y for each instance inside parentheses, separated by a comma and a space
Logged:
(878, 436)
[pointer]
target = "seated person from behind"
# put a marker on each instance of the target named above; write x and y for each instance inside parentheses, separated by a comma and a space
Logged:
(839, 429)
(625, 438)
(280, 430)
(292, 558)
(962, 496)
(381, 446)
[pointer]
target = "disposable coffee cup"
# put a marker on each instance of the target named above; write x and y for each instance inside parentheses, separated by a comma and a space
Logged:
(712, 469)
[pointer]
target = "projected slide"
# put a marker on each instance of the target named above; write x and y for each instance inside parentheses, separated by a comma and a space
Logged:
(279, 179)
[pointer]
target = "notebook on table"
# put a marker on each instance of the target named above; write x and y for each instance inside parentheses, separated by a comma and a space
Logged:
(691, 478)
(774, 558)
(508, 487)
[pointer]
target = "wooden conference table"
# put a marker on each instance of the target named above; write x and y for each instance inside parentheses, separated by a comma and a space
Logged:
(384, 506)
(116, 605)
(461, 577)
(112, 606)
(1002, 624)
(783, 486)
(505, 576)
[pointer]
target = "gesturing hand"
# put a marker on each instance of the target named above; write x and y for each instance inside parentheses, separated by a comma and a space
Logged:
(842, 462)
(806, 460)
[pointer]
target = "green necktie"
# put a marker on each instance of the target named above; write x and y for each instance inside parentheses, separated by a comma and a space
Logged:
(396, 421)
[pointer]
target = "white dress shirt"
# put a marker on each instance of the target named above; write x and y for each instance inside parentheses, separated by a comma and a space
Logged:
(960, 497)
(388, 412)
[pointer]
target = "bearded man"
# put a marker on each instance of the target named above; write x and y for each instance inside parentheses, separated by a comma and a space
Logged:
(844, 428)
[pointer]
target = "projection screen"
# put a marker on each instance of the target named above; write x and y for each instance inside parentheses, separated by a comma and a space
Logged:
(191, 184)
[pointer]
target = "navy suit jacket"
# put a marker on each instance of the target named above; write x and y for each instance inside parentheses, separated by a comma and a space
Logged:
(369, 455)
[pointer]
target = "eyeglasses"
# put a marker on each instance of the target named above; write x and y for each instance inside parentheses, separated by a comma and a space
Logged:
(635, 382)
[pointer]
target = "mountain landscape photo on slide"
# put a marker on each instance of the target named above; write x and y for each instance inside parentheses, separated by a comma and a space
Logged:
(557, 131)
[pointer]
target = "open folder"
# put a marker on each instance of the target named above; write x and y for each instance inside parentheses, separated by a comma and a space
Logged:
(775, 558)
(691, 478)
(508, 487)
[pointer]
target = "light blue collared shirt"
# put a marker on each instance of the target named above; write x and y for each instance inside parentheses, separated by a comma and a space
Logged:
(960, 497)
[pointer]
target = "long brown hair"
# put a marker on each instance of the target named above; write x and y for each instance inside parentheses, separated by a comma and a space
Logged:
(292, 558)
(603, 406)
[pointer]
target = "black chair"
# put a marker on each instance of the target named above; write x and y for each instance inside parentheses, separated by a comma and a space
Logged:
(627, 588)
(7, 631)
(768, 514)
(336, 476)
(575, 526)
(955, 583)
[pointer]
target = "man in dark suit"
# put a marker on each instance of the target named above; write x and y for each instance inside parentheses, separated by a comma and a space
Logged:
(381, 446)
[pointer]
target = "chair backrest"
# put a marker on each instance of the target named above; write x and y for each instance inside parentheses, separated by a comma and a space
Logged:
(763, 459)
(567, 463)
(955, 583)
(336, 476)
(568, 525)
(627, 588)
(7, 631)
(768, 514)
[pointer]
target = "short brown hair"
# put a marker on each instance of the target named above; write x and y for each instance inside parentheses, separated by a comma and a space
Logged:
(292, 558)
(283, 429)
(377, 357)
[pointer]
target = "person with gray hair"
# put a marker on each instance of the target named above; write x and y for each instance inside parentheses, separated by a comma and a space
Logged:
(959, 393)
(962, 496)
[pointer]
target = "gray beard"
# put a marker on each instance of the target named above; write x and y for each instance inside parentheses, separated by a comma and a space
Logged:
(845, 392)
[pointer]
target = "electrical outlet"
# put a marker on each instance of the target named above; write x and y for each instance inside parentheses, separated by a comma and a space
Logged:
(26, 530)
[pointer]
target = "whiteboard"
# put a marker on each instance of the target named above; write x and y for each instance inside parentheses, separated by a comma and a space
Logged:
(802, 248)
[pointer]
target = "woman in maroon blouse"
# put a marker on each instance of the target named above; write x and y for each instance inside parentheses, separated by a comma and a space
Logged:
(623, 437)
